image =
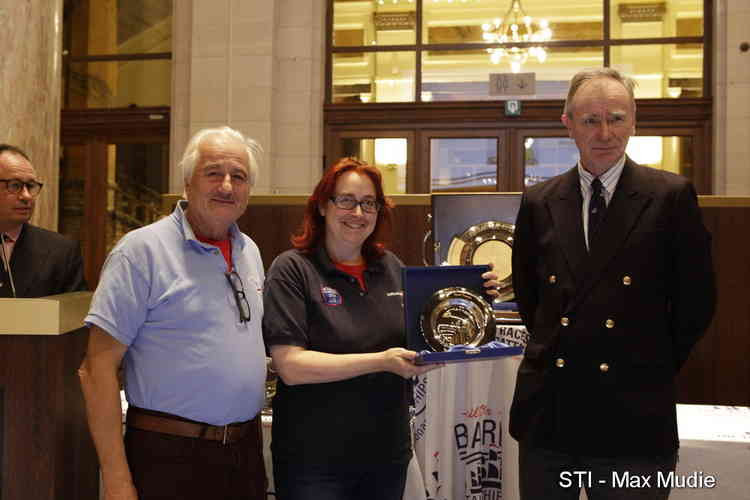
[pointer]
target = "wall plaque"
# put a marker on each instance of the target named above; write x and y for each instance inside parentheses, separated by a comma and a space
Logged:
(512, 84)
(394, 21)
(642, 12)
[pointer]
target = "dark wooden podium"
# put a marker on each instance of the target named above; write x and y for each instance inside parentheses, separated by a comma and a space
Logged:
(46, 452)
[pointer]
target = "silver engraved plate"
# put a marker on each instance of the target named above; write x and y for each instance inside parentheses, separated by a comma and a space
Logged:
(490, 241)
(454, 316)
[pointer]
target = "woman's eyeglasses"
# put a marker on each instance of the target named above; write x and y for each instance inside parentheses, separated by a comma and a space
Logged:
(348, 202)
(239, 295)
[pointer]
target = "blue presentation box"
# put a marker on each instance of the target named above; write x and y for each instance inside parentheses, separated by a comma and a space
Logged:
(420, 283)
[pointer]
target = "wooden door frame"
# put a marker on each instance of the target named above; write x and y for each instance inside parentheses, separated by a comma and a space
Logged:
(336, 152)
(502, 153)
(95, 129)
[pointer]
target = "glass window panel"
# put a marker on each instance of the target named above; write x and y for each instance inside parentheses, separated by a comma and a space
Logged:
(118, 84)
(464, 75)
(546, 157)
(666, 18)
(376, 22)
(464, 164)
(671, 153)
(389, 155)
(137, 175)
(135, 26)
(374, 77)
(465, 21)
(662, 71)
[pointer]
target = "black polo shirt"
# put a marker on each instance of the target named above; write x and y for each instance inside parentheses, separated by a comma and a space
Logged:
(309, 303)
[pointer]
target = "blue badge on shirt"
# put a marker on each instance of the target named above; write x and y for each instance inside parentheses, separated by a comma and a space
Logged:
(330, 296)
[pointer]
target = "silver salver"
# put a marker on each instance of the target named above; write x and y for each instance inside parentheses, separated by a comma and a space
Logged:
(490, 241)
(454, 316)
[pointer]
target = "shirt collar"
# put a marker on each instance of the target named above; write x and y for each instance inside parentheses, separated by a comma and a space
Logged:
(14, 234)
(189, 234)
(608, 179)
(321, 254)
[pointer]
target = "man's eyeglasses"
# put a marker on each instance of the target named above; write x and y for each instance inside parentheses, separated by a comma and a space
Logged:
(348, 202)
(239, 295)
(15, 186)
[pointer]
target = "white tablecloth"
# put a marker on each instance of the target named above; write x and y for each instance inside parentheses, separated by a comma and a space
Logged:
(714, 441)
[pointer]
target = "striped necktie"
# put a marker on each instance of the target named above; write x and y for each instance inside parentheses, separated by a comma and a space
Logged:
(597, 208)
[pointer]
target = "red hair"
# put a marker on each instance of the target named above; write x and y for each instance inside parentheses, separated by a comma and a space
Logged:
(312, 232)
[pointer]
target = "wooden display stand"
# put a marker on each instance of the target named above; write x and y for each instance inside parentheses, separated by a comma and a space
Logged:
(46, 452)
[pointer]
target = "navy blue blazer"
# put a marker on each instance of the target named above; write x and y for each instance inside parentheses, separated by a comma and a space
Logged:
(609, 330)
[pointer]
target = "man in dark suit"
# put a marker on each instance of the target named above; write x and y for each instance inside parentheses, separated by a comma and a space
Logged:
(613, 277)
(35, 262)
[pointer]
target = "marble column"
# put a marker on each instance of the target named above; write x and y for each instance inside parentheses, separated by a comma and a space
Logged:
(731, 97)
(258, 67)
(30, 87)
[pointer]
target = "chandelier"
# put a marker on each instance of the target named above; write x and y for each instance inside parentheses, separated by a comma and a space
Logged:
(516, 27)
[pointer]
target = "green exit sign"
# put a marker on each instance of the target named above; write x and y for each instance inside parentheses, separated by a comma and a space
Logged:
(513, 108)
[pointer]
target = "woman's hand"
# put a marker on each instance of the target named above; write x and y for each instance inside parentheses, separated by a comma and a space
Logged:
(402, 362)
(297, 365)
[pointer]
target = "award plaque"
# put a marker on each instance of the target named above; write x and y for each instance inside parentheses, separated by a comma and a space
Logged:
(448, 317)
(456, 316)
(489, 241)
(476, 229)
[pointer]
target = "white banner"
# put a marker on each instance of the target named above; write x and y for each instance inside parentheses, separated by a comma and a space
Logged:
(461, 439)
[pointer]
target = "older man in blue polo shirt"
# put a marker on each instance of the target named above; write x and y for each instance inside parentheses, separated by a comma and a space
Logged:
(179, 305)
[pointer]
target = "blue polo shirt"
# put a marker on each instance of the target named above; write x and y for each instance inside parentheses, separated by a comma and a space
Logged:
(164, 294)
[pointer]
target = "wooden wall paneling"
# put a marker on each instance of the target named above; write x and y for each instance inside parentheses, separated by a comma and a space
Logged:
(718, 371)
(535, 113)
(95, 211)
(48, 451)
(409, 227)
(270, 226)
(257, 222)
(697, 381)
(423, 170)
(289, 219)
(732, 322)
(2, 433)
(120, 126)
(705, 142)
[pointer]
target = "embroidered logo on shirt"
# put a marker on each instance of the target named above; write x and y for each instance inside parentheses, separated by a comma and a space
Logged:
(331, 296)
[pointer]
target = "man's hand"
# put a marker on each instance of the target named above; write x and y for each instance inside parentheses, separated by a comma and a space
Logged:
(491, 281)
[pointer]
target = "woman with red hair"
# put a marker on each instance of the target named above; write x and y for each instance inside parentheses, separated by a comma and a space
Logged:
(333, 323)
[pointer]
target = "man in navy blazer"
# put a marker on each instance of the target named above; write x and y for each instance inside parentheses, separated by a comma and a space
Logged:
(614, 280)
(34, 262)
